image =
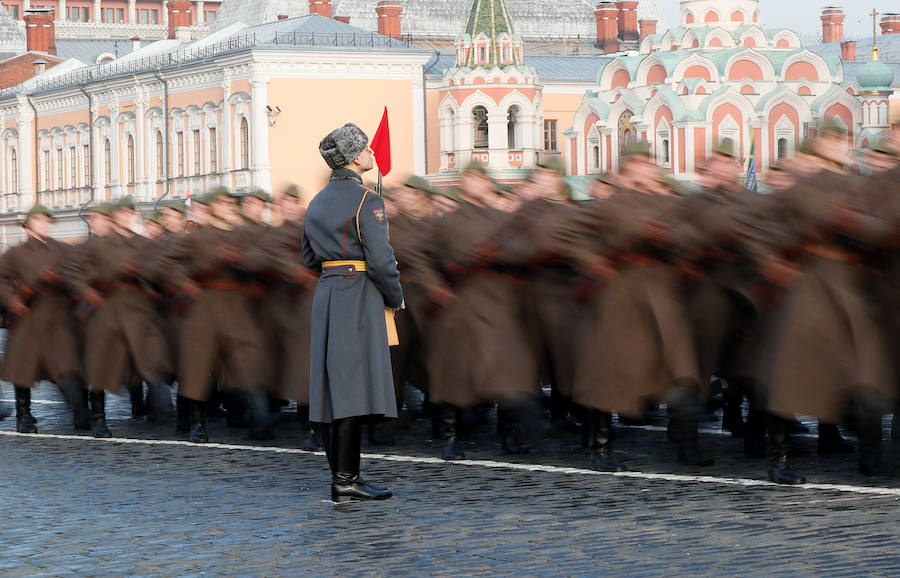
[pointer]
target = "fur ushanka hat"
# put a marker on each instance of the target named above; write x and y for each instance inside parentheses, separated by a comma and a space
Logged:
(343, 145)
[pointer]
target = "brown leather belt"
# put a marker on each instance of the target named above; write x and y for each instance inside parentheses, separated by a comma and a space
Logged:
(831, 253)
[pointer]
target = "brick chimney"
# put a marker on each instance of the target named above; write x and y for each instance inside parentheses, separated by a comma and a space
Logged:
(607, 27)
(389, 17)
(40, 33)
(832, 24)
(320, 7)
(890, 23)
(848, 50)
(179, 15)
(344, 19)
(628, 20)
(647, 28)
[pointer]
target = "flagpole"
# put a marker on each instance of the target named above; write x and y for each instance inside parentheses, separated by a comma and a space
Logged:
(378, 187)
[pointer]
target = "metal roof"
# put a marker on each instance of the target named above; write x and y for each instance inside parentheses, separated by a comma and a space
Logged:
(549, 68)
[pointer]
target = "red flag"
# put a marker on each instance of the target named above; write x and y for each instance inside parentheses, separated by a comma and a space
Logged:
(381, 145)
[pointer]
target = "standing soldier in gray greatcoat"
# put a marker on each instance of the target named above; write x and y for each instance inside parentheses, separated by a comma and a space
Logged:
(345, 236)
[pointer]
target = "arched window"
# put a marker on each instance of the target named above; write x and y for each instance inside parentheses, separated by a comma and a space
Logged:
(197, 159)
(180, 143)
(130, 153)
(59, 169)
(782, 148)
(73, 168)
(86, 159)
(13, 171)
(665, 151)
(160, 159)
(595, 157)
(512, 125)
(480, 114)
(245, 144)
(47, 185)
(107, 161)
(213, 152)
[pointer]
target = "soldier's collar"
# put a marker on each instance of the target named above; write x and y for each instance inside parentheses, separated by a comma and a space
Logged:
(345, 174)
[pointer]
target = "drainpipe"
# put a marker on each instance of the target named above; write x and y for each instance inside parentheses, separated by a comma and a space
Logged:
(425, 69)
(165, 106)
(90, 200)
(37, 163)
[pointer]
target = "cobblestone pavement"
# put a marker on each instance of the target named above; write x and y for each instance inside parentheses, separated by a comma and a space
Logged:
(79, 506)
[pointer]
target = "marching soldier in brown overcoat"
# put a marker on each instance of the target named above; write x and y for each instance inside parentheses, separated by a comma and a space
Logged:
(285, 313)
(638, 345)
(42, 342)
(122, 332)
(219, 334)
(826, 353)
(478, 320)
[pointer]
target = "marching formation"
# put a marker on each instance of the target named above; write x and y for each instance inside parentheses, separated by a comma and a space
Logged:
(647, 293)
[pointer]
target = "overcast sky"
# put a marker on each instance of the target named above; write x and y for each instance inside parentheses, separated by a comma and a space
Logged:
(802, 16)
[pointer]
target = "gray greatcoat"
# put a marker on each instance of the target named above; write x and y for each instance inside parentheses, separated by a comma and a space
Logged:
(350, 364)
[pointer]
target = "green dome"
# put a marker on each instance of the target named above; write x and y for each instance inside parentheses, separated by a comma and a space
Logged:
(875, 75)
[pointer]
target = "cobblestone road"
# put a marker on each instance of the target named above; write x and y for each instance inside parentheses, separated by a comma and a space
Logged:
(79, 506)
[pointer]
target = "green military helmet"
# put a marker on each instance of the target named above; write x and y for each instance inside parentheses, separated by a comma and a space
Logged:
(726, 148)
(292, 191)
(831, 125)
(475, 166)
(105, 209)
(637, 148)
(606, 178)
(447, 193)
(806, 148)
(153, 217)
(207, 198)
(178, 206)
(552, 163)
(124, 203)
(37, 210)
(677, 187)
(258, 194)
(883, 146)
(420, 184)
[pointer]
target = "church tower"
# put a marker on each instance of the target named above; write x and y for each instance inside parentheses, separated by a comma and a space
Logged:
(490, 101)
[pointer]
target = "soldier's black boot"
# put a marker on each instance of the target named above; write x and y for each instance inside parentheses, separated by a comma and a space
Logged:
(755, 434)
(160, 407)
(831, 442)
(99, 428)
(182, 416)
(76, 395)
(602, 457)
(197, 411)
(871, 462)
(450, 418)
(312, 441)
(513, 417)
(684, 413)
(732, 420)
(780, 469)
(25, 422)
(138, 404)
(327, 442)
(346, 483)
(261, 419)
(375, 428)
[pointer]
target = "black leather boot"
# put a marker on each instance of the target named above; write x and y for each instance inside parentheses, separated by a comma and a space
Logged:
(375, 430)
(261, 419)
(513, 417)
(450, 418)
(160, 406)
(871, 462)
(732, 420)
(755, 434)
(138, 404)
(346, 483)
(312, 441)
(25, 422)
(780, 469)
(99, 428)
(197, 411)
(831, 442)
(76, 395)
(325, 430)
(182, 416)
(602, 457)
(684, 411)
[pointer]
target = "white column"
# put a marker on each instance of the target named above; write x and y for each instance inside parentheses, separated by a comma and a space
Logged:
(201, 17)
(165, 13)
(259, 133)
(98, 11)
(115, 152)
(26, 6)
(225, 128)
(61, 11)
(141, 183)
(418, 118)
(132, 11)
(498, 143)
